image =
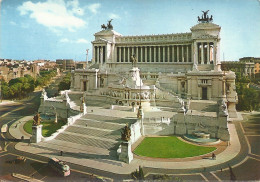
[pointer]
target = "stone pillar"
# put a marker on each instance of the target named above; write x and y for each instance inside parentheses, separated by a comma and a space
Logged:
(196, 51)
(199, 91)
(36, 134)
(124, 55)
(115, 54)
(154, 52)
(208, 58)
(168, 53)
(178, 59)
(96, 80)
(159, 54)
(94, 53)
(202, 53)
(182, 53)
(128, 54)
(150, 54)
(137, 54)
(98, 54)
(187, 54)
(120, 56)
(163, 53)
(173, 53)
(145, 54)
(126, 154)
(141, 55)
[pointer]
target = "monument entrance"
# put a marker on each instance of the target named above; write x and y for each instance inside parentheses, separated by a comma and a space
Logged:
(204, 93)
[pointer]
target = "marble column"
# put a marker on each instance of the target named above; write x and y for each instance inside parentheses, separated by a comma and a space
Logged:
(182, 53)
(145, 54)
(214, 53)
(141, 55)
(154, 53)
(208, 49)
(120, 56)
(159, 54)
(196, 57)
(178, 60)
(163, 53)
(187, 54)
(98, 54)
(138, 60)
(173, 53)
(168, 53)
(150, 54)
(128, 54)
(124, 55)
(202, 53)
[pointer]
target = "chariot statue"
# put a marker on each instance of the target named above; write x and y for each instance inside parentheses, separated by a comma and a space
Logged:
(126, 134)
(205, 17)
(37, 120)
(109, 26)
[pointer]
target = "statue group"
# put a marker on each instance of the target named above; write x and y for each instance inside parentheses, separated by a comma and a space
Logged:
(133, 60)
(205, 18)
(109, 25)
(37, 120)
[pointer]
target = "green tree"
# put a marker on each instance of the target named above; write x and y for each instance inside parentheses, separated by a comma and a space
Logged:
(65, 83)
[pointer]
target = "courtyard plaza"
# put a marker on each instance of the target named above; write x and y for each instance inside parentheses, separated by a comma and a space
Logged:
(93, 141)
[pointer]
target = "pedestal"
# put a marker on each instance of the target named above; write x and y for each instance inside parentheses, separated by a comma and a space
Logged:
(36, 134)
(126, 154)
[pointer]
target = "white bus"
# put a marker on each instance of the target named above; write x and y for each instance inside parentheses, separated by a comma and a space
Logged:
(59, 166)
(4, 128)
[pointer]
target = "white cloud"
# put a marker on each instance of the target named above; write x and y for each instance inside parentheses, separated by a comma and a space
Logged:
(113, 16)
(64, 40)
(54, 13)
(82, 41)
(93, 7)
(78, 41)
(12, 23)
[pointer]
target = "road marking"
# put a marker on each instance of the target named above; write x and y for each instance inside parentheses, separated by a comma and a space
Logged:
(255, 155)
(204, 177)
(254, 158)
(19, 108)
(91, 174)
(43, 178)
(242, 127)
(248, 144)
(213, 174)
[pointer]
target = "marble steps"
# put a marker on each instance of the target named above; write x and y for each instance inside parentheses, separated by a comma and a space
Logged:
(110, 134)
(99, 124)
(87, 140)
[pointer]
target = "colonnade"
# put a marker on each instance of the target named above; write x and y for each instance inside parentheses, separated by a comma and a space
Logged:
(100, 54)
(154, 53)
(205, 52)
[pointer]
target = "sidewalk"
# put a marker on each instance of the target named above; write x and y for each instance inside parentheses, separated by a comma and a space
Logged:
(73, 155)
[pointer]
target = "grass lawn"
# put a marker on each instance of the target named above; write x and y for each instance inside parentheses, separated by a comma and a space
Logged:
(169, 147)
(48, 127)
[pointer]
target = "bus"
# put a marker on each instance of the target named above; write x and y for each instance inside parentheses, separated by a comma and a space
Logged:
(4, 128)
(59, 166)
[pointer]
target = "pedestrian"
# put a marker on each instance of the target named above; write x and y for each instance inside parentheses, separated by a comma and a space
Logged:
(213, 156)
(61, 152)
(86, 124)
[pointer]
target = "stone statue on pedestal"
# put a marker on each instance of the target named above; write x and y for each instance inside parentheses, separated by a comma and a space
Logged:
(126, 134)
(133, 60)
(37, 120)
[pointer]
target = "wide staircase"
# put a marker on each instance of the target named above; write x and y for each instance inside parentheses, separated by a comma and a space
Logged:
(91, 136)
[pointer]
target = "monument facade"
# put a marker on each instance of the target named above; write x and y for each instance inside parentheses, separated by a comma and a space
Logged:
(187, 65)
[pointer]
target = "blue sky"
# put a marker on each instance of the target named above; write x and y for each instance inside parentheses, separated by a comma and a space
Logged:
(54, 29)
